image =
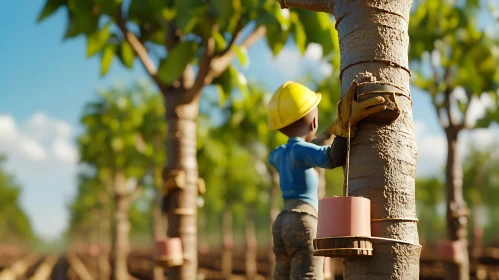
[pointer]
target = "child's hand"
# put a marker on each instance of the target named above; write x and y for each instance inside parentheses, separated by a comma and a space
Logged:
(351, 111)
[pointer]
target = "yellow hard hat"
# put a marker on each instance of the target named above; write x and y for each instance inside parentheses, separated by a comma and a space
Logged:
(291, 102)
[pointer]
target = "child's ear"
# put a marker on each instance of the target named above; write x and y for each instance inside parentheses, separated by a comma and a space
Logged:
(314, 123)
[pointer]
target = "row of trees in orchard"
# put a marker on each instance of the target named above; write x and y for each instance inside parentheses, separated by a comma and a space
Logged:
(187, 47)
(15, 226)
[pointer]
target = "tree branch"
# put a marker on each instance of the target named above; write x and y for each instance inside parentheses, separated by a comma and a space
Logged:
(447, 93)
(212, 66)
(447, 106)
(464, 123)
(236, 35)
(204, 69)
(326, 6)
(220, 63)
(140, 50)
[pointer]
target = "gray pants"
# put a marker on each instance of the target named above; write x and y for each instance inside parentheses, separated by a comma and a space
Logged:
(293, 232)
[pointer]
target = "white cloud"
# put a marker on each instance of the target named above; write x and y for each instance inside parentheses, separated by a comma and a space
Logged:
(41, 154)
(313, 52)
(41, 127)
(32, 149)
(11, 138)
(290, 63)
(478, 107)
(432, 151)
(64, 151)
(326, 69)
(287, 62)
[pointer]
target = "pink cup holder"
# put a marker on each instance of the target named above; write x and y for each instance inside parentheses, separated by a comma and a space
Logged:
(344, 216)
(449, 250)
(169, 250)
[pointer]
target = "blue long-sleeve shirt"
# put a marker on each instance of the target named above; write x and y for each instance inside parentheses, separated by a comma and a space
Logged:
(295, 162)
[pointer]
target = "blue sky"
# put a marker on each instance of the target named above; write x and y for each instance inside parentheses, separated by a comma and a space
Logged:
(44, 83)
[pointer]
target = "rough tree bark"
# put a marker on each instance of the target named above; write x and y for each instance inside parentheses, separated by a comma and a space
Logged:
(457, 210)
(122, 227)
(227, 241)
(373, 37)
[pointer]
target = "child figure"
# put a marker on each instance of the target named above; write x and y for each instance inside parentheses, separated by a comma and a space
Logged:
(293, 111)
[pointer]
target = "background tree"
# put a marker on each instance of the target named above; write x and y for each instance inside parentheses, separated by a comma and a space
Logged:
(15, 226)
(429, 196)
(113, 144)
(463, 70)
(206, 35)
(479, 170)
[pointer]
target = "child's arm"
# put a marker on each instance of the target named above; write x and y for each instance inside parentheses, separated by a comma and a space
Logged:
(328, 157)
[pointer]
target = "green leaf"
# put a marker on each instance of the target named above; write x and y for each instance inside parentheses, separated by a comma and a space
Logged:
(171, 68)
(225, 83)
(242, 55)
(298, 33)
(219, 40)
(126, 54)
(97, 41)
(168, 14)
(108, 7)
(188, 13)
(318, 28)
(82, 18)
(107, 58)
(50, 7)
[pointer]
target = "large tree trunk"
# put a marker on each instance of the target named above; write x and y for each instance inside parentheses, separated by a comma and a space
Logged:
(180, 203)
(251, 246)
(457, 210)
(274, 212)
(122, 224)
(227, 241)
(373, 37)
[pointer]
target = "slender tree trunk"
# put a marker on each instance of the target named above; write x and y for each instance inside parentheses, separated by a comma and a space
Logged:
(251, 246)
(373, 37)
(122, 224)
(158, 230)
(477, 211)
(274, 212)
(476, 245)
(104, 231)
(227, 241)
(457, 210)
(180, 203)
